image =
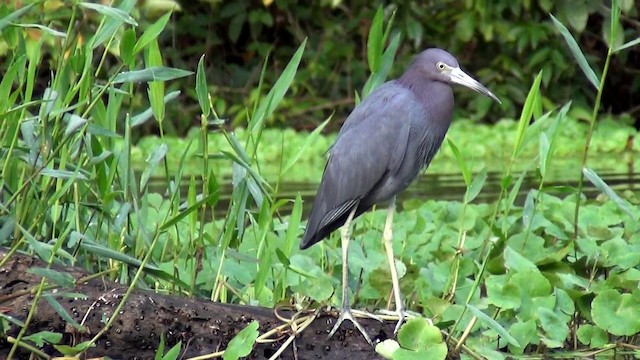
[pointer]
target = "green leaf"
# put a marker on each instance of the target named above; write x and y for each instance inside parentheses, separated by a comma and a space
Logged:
(577, 53)
(60, 310)
(527, 113)
(111, 12)
(617, 313)
(514, 261)
(375, 41)
(493, 325)
(628, 45)
(44, 29)
(476, 186)
(466, 173)
(611, 194)
(127, 42)
(42, 337)
(524, 333)
(387, 348)
(202, 91)
(276, 94)
(420, 340)
(554, 325)
(157, 154)
(592, 336)
(311, 139)
(151, 33)
(74, 350)
(157, 73)
(7, 20)
(174, 352)
(56, 277)
(242, 344)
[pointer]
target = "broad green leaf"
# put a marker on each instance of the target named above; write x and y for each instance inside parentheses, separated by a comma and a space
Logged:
(577, 53)
(387, 348)
(514, 261)
(617, 313)
(242, 344)
(524, 333)
(493, 325)
(592, 336)
(554, 325)
(158, 73)
(419, 339)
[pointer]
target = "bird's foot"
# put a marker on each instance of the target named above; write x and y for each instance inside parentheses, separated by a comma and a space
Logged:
(348, 314)
(401, 315)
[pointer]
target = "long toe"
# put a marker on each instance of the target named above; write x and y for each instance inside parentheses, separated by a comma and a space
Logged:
(346, 314)
(401, 315)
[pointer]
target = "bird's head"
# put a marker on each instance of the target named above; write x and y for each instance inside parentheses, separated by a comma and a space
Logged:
(439, 65)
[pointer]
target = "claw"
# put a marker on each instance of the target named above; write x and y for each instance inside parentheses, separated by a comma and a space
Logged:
(346, 314)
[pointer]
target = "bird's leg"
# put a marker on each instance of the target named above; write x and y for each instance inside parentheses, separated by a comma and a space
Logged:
(345, 312)
(387, 236)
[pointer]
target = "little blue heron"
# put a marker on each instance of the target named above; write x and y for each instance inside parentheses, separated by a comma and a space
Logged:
(383, 145)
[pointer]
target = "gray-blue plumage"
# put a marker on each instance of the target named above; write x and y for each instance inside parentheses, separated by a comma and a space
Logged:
(386, 141)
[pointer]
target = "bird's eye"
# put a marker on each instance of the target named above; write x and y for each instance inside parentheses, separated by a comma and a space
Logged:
(440, 65)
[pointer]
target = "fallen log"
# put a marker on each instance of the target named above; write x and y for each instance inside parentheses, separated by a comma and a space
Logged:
(203, 326)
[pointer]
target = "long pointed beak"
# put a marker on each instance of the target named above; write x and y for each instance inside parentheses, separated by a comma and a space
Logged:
(460, 77)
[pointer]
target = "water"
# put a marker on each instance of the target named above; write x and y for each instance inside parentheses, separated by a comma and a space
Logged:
(449, 187)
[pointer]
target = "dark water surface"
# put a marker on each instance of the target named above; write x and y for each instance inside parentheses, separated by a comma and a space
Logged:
(440, 187)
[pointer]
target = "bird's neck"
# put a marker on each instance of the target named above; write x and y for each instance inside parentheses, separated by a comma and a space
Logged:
(436, 96)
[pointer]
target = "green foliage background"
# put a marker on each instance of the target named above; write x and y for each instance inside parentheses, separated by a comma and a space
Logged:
(503, 43)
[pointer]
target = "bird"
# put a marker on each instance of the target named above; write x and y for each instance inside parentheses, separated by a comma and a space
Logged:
(383, 145)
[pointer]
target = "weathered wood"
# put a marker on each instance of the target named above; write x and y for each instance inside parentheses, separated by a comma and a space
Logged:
(203, 326)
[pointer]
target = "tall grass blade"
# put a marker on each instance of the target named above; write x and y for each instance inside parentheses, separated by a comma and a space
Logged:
(151, 33)
(627, 45)
(308, 141)
(526, 114)
(375, 41)
(276, 94)
(577, 53)
(157, 73)
(7, 20)
(611, 194)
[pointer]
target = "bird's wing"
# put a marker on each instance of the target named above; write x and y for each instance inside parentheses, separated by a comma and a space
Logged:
(370, 142)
